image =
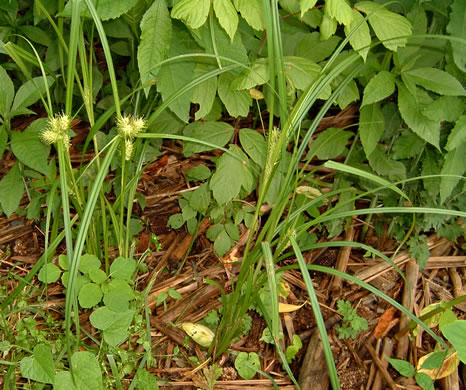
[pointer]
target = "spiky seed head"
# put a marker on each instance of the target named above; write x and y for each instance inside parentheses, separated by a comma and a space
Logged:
(129, 147)
(49, 136)
(129, 126)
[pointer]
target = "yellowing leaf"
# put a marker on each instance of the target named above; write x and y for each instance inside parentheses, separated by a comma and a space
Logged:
(448, 366)
(192, 12)
(308, 192)
(199, 333)
(256, 94)
(288, 308)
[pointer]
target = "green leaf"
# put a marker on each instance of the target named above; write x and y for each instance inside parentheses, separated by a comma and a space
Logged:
(457, 28)
(424, 380)
(145, 380)
(175, 75)
(156, 30)
(454, 333)
(293, 349)
(379, 87)
(192, 12)
(227, 16)
(97, 276)
(392, 29)
(383, 165)
(256, 74)
(49, 273)
(411, 113)
(371, 127)
(247, 364)
(437, 81)
(200, 198)
(7, 92)
(88, 262)
(340, 10)
(419, 250)
(430, 167)
(11, 190)
(328, 27)
(314, 49)
(222, 243)
(3, 139)
(306, 5)
(445, 108)
(232, 231)
(86, 370)
(117, 300)
(106, 9)
(205, 92)
(237, 103)
(89, 295)
(329, 144)
(457, 136)
(403, 367)
(454, 164)
(231, 174)
(252, 11)
(407, 145)
(40, 366)
(175, 221)
(217, 133)
(349, 93)
(113, 324)
(197, 173)
(122, 268)
(301, 71)
(361, 38)
(28, 94)
(28, 148)
(254, 145)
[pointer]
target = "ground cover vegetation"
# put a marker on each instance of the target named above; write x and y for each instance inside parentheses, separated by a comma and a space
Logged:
(230, 194)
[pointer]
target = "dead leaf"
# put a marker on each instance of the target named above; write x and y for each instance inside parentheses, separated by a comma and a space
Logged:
(386, 322)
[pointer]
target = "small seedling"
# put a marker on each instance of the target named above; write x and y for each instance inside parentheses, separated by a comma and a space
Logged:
(352, 323)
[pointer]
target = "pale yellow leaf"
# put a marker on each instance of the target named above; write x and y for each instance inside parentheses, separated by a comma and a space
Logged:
(288, 308)
(199, 333)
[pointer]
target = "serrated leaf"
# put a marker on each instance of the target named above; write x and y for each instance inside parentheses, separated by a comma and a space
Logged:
(252, 11)
(199, 333)
(113, 324)
(227, 16)
(222, 243)
(340, 10)
(329, 144)
(411, 113)
(445, 108)
(328, 27)
(49, 273)
(205, 92)
(407, 145)
(28, 148)
(106, 9)
(371, 127)
(454, 164)
(200, 198)
(437, 81)
(457, 136)
(379, 87)
(39, 367)
(419, 250)
(11, 190)
(216, 133)
(192, 12)
(254, 75)
(254, 145)
(237, 103)
(306, 5)
(349, 93)
(360, 39)
(122, 268)
(231, 174)
(314, 49)
(175, 75)
(156, 32)
(301, 71)
(89, 295)
(389, 27)
(457, 28)
(7, 92)
(385, 166)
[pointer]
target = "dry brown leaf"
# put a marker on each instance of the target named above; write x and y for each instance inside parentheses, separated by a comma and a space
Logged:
(386, 322)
